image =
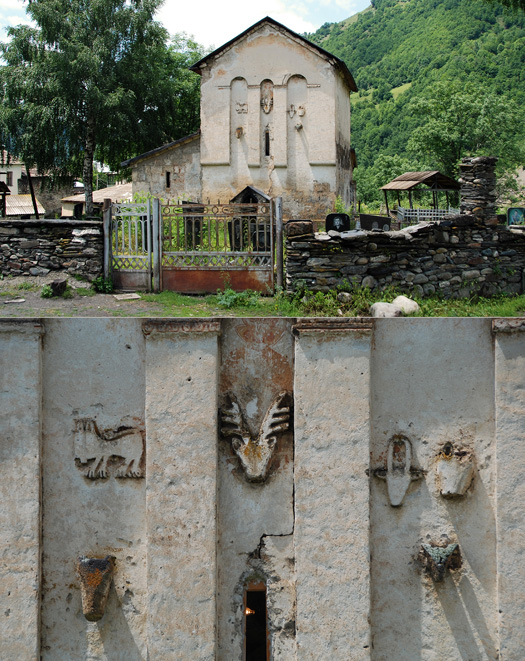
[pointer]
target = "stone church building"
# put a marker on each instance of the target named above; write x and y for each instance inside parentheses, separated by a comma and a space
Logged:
(275, 115)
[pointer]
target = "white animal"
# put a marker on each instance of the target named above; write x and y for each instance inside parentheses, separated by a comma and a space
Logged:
(91, 444)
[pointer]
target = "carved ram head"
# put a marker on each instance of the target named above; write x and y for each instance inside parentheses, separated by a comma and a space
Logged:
(255, 453)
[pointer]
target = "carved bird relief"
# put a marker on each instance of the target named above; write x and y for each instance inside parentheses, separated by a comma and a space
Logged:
(255, 453)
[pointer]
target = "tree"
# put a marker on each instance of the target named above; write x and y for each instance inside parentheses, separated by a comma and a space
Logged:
(514, 4)
(93, 78)
(463, 120)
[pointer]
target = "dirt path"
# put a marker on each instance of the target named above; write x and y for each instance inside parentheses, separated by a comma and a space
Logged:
(21, 297)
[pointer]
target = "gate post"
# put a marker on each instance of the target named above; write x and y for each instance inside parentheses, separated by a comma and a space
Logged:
(156, 242)
(278, 201)
(107, 237)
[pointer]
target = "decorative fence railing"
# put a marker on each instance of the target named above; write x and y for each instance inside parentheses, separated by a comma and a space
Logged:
(414, 216)
(217, 236)
(193, 247)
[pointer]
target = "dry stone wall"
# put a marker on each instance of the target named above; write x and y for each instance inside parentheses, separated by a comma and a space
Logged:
(37, 247)
(224, 489)
(458, 257)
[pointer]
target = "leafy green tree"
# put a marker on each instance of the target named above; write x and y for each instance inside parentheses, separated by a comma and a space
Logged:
(514, 4)
(466, 120)
(93, 78)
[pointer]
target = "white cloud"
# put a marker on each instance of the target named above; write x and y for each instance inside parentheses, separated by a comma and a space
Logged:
(215, 23)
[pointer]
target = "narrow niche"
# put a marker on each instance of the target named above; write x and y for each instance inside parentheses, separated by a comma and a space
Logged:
(256, 639)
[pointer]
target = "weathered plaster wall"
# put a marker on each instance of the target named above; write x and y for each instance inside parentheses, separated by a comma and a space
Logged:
(146, 441)
(182, 162)
(92, 369)
(36, 247)
(447, 397)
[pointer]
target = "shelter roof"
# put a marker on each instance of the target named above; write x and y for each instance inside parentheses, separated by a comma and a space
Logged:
(21, 205)
(251, 191)
(118, 193)
(432, 178)
(335, 61)
(158, 150)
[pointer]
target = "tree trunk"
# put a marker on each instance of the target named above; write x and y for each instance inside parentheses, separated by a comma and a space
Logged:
(89, 153)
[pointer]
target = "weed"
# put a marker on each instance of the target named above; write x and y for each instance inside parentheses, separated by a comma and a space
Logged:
(228, 298)
(103, 285)
(46, 292)
(27, 286)
(85, 291)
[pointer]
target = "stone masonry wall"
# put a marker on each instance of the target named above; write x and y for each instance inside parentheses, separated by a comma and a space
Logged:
(459, 257)
(36, 247)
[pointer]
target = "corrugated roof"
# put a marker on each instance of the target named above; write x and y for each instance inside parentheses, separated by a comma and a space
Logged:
(431, 178)
(21, 205)
(118, 193)
(338, 64)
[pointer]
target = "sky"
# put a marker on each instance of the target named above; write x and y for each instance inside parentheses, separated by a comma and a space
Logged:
(214, 22)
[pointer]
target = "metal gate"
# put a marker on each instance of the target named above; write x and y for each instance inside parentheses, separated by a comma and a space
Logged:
(205, 247)
(131, 232)
(192, 248)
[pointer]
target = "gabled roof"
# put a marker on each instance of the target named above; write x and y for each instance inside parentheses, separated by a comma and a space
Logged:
(433, 179)
(118, 193)
(158, 150)
(335, 61)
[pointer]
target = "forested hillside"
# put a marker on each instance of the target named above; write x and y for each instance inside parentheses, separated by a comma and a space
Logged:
(437, 79)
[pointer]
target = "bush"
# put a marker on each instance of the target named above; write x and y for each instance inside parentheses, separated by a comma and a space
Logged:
(228, 298)
(46, 292)
(103, 285)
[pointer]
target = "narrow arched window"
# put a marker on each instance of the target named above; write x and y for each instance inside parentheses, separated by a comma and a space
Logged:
(267, 142)
(256, 638)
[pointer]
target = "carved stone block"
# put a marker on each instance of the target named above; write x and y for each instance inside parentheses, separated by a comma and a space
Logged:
(95, 448)
(255, 451)
(437, 559)
(455, 470)
(399, 471)
(95, 576)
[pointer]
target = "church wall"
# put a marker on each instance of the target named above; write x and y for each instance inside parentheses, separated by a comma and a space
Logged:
(365, 474)
(268, 120)
(183, 164)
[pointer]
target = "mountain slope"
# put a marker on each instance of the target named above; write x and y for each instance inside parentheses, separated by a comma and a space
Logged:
(399, 50)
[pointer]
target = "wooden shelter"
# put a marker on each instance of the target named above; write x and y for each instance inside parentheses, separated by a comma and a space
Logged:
(411, 181)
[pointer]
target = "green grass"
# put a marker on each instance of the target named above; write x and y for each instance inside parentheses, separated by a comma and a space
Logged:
(396, 91)
(84, 291)
(305, 303)
(27, 286)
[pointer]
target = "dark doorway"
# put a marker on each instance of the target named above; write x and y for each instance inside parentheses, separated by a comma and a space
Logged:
(256, 633)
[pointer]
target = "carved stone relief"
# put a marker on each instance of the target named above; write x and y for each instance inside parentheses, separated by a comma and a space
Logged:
(399, 472)
(241, 108)
(95, 576)
(255, 452)
(455, 471)
(267, 96)
(292, 110)
(123, 448)
(437, 559)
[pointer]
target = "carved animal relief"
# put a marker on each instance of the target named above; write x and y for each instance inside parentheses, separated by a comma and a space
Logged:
(122, 448)
(255, 452)
(437, 559)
